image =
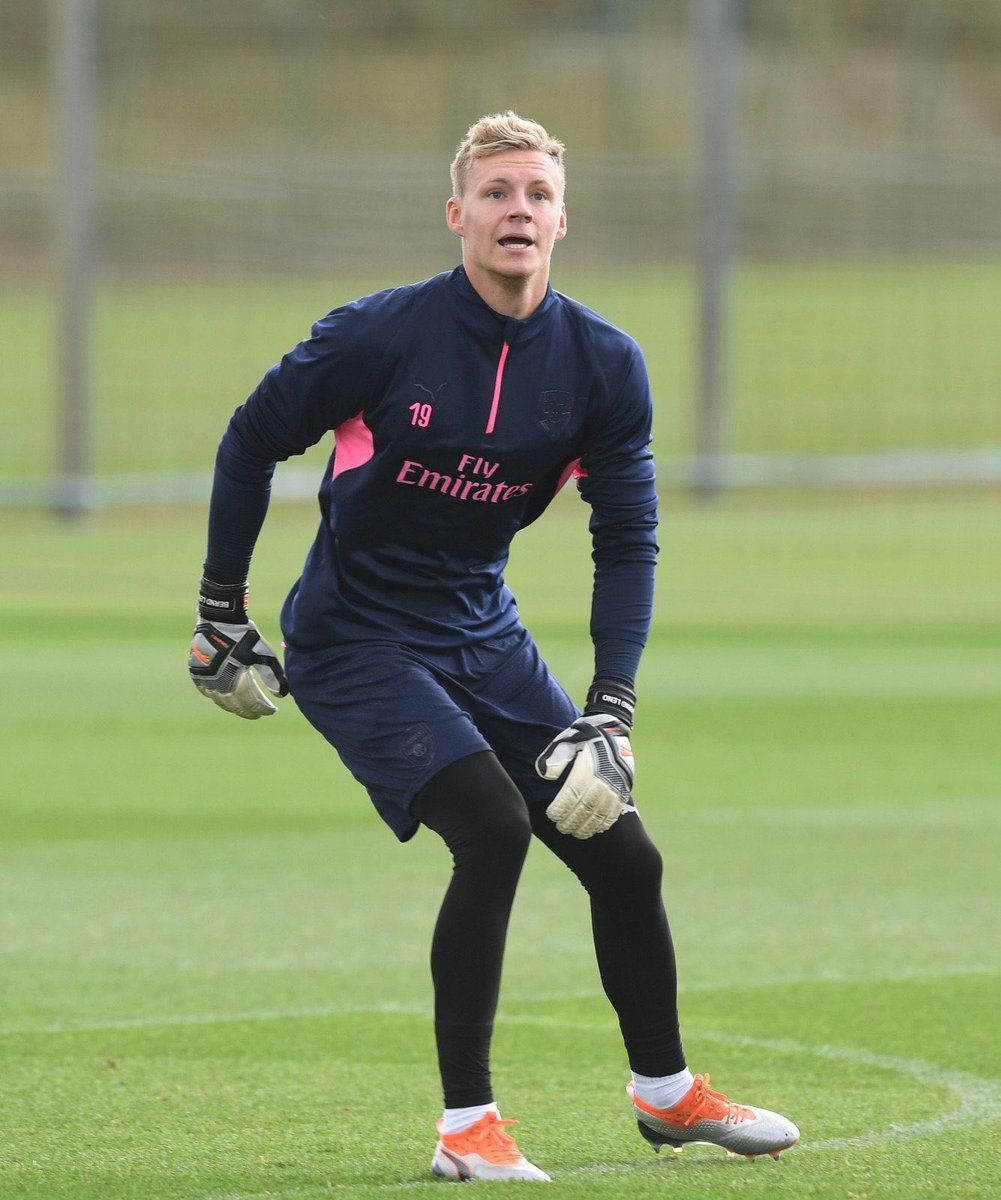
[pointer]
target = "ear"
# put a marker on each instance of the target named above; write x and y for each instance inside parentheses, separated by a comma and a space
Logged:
(453, 216)
(561, 229)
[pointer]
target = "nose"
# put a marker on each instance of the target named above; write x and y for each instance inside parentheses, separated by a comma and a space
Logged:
(520, 208)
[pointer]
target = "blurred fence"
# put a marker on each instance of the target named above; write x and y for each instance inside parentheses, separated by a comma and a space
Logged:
(239, 143)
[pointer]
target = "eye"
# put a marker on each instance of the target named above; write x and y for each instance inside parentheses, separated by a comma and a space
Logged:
(541, 195)
(495, 194)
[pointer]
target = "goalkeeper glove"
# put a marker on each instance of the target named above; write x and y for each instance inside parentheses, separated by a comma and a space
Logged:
(595, 755)
(226, 645)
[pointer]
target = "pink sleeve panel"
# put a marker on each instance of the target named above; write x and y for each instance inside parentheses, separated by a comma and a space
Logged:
(354, 445)
(575, 469)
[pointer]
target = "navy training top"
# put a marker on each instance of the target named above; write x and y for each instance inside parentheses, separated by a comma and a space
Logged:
(454, 426)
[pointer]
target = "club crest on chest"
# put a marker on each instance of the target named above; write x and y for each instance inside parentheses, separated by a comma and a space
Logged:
(554, 410)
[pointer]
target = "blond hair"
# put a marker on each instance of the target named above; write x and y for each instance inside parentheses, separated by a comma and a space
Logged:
(502, 131)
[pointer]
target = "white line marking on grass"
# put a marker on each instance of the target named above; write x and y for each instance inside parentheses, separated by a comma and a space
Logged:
(155, 1021)
(258, 1014)
(818, 977)
(979, 1098)
(979, 1103)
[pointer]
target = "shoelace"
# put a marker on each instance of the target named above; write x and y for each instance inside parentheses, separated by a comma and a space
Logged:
(495, 1135)
(733, 1114)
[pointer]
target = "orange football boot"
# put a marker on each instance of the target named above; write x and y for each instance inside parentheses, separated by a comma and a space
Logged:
(703, 1115)
(483, 1151)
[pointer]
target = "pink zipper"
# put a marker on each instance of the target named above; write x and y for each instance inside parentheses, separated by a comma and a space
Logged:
(497, 389)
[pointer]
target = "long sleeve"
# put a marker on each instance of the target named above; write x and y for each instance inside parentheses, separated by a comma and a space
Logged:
(618, 482)
(314, 388)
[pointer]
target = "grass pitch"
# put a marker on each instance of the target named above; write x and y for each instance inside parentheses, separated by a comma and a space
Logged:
(214, 955)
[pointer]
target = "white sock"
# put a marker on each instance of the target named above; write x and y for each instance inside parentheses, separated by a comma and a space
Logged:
(455, 1120)
(663, 1091)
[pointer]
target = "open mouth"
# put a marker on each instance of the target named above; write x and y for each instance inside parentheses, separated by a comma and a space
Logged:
(513, 240)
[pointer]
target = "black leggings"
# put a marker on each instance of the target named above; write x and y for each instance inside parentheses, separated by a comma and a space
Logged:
(485, 822)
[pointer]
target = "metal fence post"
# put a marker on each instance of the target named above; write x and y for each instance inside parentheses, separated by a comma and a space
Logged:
(715, 26)
(76, 82)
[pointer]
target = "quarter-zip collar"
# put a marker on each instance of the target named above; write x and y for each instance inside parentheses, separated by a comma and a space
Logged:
(491, 325)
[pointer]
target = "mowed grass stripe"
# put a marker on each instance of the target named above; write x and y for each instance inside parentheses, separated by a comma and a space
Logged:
(425, 1010)
(905, 1098)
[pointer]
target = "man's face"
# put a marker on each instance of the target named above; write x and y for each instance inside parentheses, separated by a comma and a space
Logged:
(511, 214)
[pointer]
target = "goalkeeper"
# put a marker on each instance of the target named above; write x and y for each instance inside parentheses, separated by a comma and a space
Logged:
(460, 406)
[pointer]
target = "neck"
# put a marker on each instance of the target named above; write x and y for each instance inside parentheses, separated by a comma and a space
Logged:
(517, 297)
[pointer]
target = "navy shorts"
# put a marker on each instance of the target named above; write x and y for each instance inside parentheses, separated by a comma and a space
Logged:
(397, 717)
